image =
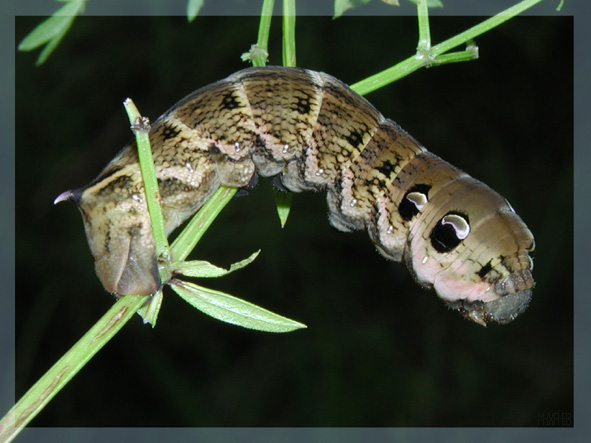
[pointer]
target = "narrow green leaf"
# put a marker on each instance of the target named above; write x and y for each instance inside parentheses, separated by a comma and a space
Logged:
(53, 26)
(49, 48)
(204, 269)
(199, 269)
(392, 2)
(342, 6)
(149, 311)
(559, 7)
(430, 3)
(283, 202)
(232, 310)
(193, 8)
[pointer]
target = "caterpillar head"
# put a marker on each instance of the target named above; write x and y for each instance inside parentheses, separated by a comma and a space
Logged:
(119, 234)
(475, 252)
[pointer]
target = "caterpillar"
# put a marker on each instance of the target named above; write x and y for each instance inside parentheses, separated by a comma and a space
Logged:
(309, 131)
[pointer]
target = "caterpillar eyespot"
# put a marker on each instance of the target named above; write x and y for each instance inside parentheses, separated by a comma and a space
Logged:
(309, 131)
(449, 232)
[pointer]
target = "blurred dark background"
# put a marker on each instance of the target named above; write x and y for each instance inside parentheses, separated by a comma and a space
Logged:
(378, 351)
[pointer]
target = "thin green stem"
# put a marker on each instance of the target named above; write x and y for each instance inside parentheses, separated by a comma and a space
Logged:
(470, 53)
(260, 52)
(483, 27)
(424, 45)
(265, 23)
(141, 127)
(418, 60)
(387, 76)
(72, 361)
(289, 20)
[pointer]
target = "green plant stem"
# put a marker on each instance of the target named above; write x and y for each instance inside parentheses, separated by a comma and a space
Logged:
(289, 19)
(72, 361)
(419, 60)
(483, 27)
(259, 55)
(141, 127)
(470, 53)
(424, 45)
(265, 23)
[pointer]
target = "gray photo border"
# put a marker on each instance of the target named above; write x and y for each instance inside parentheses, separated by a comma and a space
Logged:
(582, 184)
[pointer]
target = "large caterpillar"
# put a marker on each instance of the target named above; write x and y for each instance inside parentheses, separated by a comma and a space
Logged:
(310, 131)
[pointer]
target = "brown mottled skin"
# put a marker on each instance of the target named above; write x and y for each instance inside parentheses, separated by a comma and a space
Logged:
(312, 132)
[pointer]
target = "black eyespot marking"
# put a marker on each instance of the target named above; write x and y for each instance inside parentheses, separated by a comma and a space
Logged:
(355, 139)
(449, 232)
(230, 101)
(413, 201)
(169, 132)
(387, 168)
(302, 105)
(484, 270)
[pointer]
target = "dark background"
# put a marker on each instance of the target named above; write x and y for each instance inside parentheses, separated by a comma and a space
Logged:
(378, 351)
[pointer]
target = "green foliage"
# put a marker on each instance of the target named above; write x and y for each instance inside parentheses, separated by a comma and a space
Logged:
(193, 8)
(283, 203)
(52, 30)
(204, 269)
(230, 309)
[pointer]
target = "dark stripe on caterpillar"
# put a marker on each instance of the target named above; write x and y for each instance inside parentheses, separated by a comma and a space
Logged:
(309, 131)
